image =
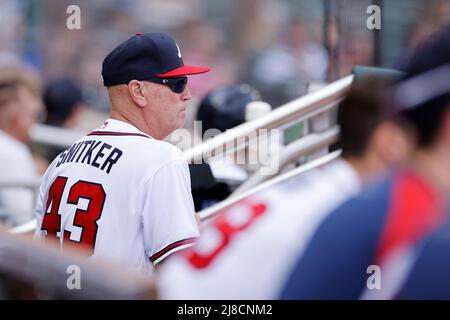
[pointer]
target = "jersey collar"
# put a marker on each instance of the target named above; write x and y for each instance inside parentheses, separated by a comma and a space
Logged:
(118, 126)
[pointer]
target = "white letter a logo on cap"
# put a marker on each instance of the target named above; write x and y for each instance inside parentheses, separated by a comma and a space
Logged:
(179, 52)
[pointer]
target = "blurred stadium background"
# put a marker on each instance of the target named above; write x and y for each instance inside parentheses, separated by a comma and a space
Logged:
(284, 48)
(219, 34)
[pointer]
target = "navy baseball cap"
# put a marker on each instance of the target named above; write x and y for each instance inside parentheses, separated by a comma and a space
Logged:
(423, 94)
(427, 74)
(145, 56)
(61, 96)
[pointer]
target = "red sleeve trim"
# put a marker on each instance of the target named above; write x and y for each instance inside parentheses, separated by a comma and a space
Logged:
(112, 133)
(171, 247)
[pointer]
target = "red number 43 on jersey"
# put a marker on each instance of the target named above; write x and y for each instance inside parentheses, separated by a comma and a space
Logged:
(85, 219)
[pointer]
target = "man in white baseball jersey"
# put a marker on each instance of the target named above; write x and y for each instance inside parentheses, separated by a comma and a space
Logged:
(120, 192)
(247, 251)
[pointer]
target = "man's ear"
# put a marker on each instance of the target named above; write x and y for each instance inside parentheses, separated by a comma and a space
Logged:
(136, 92)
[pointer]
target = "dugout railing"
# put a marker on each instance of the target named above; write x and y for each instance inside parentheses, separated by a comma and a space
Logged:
(31, 270)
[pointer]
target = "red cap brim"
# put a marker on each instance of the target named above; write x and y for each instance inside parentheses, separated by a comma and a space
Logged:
(184, 71)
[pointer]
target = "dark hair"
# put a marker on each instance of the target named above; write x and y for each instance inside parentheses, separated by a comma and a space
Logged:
(359, 114)
(60, 98)
(224, 107)
(427, 120)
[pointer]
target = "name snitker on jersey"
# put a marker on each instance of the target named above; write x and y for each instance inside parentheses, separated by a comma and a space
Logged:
(95, 153)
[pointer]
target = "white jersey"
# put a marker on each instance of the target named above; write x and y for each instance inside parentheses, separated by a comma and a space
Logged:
(121, 194)
(248, 250)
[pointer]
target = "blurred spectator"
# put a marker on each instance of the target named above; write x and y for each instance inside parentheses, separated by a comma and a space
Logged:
(203, 44)
(383, 226)
(64, 103)
(435, 15)
(20, 108)
(284, 71)
(248, 249)
(356, 50)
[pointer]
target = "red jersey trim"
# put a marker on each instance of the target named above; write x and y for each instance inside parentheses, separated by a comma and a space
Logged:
(171, 247)
(112, 133)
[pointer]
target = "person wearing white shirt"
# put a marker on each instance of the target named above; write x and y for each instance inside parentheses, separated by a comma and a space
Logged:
(20, 107)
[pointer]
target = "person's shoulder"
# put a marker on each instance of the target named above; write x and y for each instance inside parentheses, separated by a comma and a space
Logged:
(369, 206)
(13, 151)
(164, 149)
(336, 177)
(396, 187)
(154, 156)
(409, 184)
(10, 145)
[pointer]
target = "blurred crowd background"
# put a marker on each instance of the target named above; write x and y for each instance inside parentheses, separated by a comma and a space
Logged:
(281, 47)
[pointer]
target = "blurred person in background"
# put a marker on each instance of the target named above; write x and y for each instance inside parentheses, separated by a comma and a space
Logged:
(384, 225)
(434, 16)
(20, 108)
(284, 71)
(65, 106)
(357, 50)
(247, 250)
(204, 45)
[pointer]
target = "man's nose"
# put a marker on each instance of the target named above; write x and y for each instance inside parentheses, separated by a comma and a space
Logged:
(186, 95)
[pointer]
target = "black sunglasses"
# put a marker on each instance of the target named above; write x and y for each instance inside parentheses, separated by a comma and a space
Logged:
(177, 85)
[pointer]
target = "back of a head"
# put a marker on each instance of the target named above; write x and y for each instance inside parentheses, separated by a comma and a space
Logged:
(225, 107)
(13, 77)
(61, 96)
(12, 80)
(361, 111)
(423, 94)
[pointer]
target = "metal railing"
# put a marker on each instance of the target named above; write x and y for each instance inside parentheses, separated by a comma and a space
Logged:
(212, 211)
(293, 112)
(54, 136)
(293, 152)
(29, 183)
(25, 261)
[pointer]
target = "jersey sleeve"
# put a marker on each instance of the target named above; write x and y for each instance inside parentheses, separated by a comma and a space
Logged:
(40, 204)
(39, 211)
(168, 216)
(41, 200)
